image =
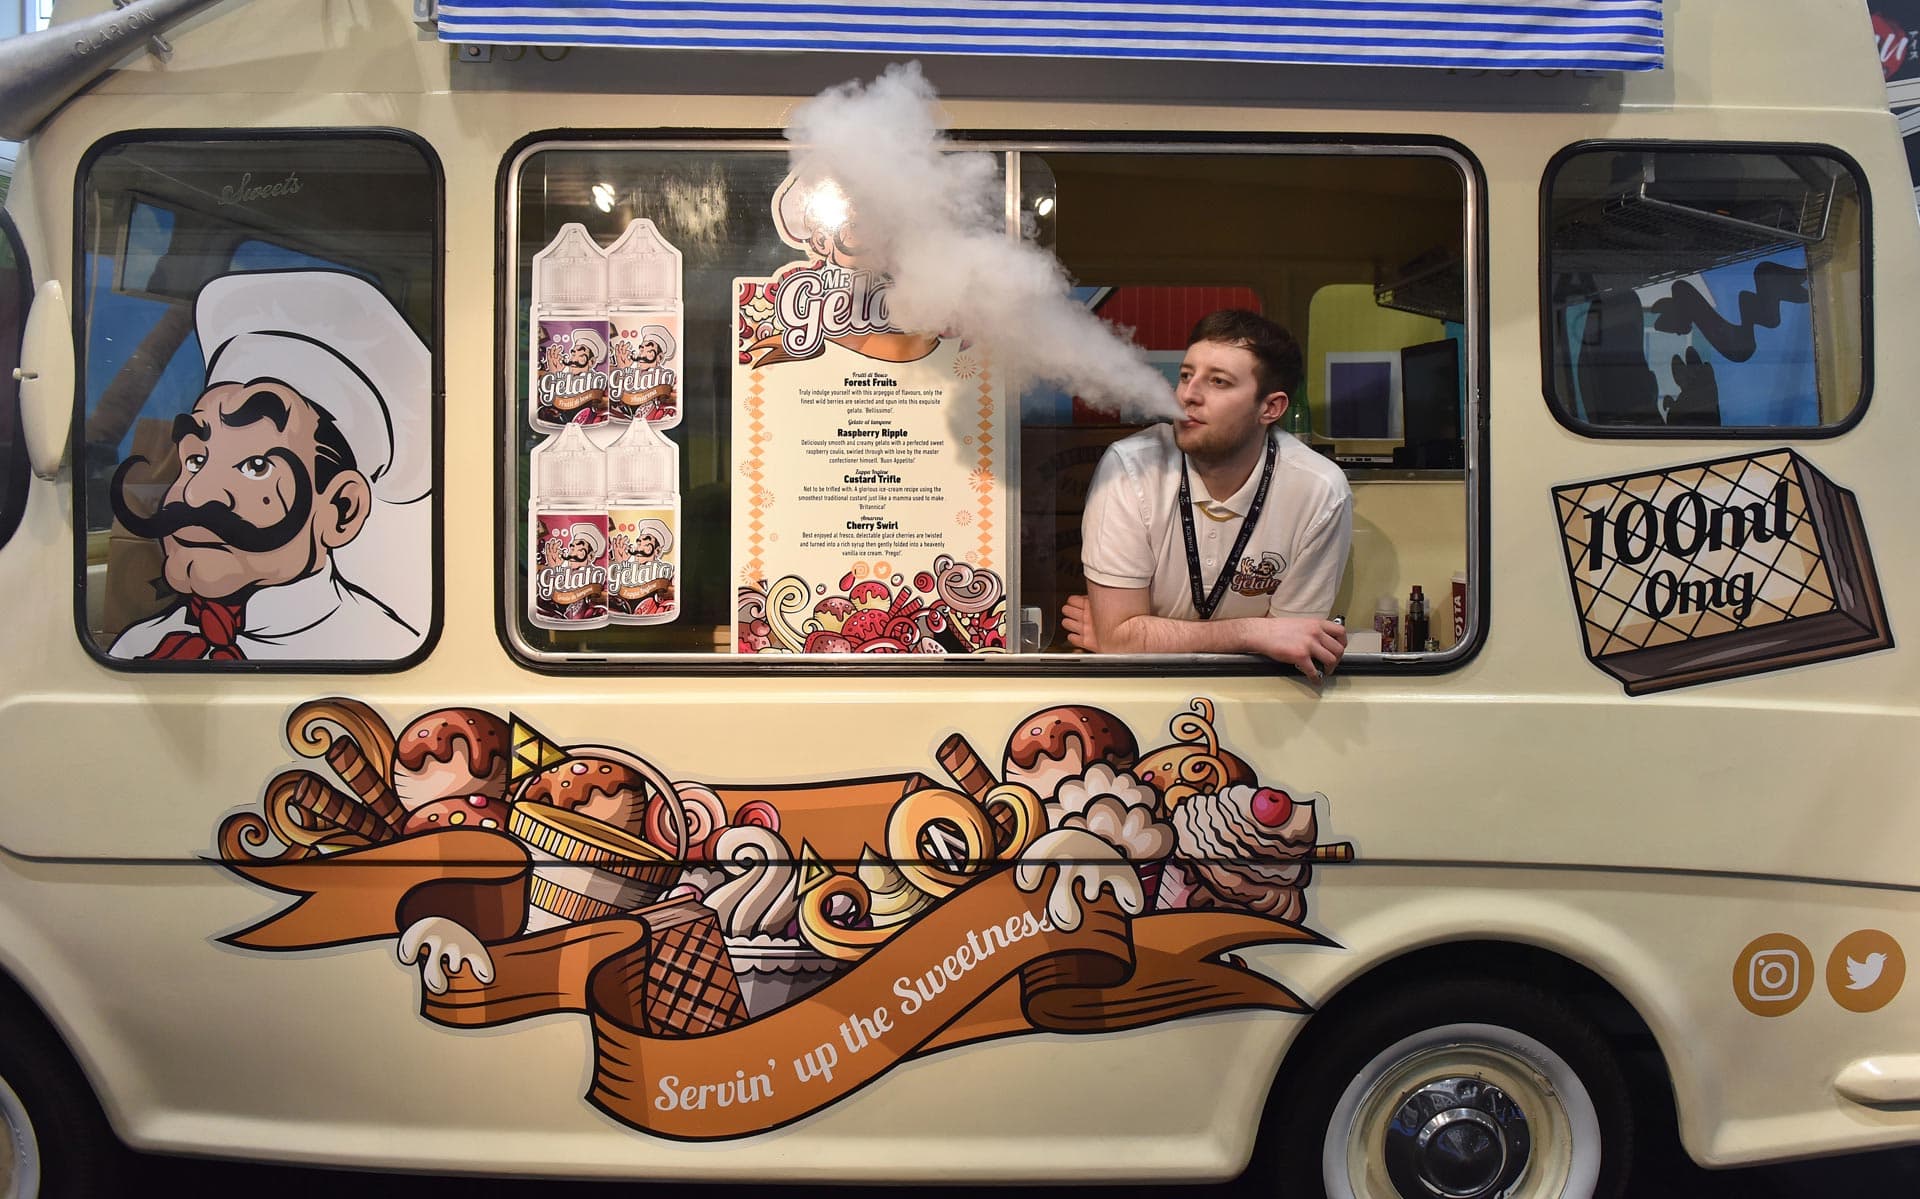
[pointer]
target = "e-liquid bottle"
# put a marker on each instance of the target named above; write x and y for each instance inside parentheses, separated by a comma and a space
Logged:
(644, 312)
(1386, 622)
(567, 377)
(567, 535)
(643, 511)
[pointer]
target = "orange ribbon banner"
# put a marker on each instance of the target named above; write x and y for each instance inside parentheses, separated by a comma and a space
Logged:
(986, 962)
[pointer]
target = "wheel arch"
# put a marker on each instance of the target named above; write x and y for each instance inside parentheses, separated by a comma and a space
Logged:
(1631, 1022)
(31, 977)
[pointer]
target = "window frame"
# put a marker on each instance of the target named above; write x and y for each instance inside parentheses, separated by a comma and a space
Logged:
(1011, 144)
(1597, 432)
(436, 171)
(15, 469)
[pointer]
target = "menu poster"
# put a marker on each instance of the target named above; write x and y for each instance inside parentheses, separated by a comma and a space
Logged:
(870, 510)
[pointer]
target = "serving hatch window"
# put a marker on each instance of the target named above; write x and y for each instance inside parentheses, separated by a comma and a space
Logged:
(256, 479)
(722, 447)
(1703, 292)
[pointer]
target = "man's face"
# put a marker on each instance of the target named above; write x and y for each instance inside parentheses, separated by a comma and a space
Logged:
(1221, 408)
(580, 357)
(649, 353)
(646, 546)
(580, 549)
(244, 513)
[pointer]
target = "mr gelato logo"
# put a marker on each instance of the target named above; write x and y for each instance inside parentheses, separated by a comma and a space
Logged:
(837, 297)
(1261, 577)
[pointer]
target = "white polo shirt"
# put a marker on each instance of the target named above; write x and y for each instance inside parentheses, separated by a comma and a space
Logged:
(1131, 536)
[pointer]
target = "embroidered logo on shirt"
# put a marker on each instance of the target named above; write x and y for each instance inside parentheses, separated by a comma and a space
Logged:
(1259, 578)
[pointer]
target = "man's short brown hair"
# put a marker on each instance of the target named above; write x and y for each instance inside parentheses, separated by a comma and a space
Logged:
(1276, 355)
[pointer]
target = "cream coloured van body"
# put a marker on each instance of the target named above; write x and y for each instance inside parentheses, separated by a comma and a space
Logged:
(1531, 857)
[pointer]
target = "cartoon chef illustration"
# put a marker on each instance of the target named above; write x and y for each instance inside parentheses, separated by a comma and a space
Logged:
(651, 540)
(586, 544)
(815, 215)
(300, 525)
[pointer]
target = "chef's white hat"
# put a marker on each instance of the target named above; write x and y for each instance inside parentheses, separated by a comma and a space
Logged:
(656, 529)
(335, 339)
(595, 536)
(803, 205)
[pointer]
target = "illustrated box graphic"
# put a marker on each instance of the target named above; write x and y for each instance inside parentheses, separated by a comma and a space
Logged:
(1717, 570)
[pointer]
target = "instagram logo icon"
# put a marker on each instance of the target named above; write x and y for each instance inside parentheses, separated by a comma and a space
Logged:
(1773, 974)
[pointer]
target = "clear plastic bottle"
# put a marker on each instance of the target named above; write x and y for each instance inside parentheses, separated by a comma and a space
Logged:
(567, 377)
(1386, 622)
(643, 513)
(645, 314)
(567, 538)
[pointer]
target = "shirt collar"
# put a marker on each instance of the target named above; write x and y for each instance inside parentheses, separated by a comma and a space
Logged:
(292, 607)
(1241, 501)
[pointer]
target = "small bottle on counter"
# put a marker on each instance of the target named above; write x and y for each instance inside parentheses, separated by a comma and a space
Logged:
(1386, 622)
(1459, 607)
(1416, 620)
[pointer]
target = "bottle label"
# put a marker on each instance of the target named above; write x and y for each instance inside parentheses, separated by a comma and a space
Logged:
(643, 568)
(644, 375)
(570, 567)
(570, 382)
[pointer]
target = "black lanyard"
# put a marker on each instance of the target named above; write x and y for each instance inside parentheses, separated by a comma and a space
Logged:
(1209, 602)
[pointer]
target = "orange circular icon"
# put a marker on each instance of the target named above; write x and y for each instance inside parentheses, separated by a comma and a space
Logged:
(1865, 970)
(1773, 974)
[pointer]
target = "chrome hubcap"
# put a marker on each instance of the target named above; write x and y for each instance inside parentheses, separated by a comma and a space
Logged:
(19, 1152)
(1456, 1138)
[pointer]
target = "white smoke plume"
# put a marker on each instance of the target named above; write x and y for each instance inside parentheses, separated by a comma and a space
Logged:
(933, 218)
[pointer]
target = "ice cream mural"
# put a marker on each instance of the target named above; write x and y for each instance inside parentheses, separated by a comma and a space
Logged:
(748, 955)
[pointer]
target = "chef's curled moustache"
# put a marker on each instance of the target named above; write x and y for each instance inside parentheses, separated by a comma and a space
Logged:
(216, 518)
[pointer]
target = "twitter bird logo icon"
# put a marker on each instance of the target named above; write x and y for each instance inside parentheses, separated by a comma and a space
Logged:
(1861, 975)
(1866, 970)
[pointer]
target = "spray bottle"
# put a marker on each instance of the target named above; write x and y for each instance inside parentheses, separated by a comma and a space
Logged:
(567, 535)
(644, 312)
(643, 511)
(567, 382)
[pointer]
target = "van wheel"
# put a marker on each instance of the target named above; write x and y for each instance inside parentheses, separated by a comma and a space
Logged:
(54, 1141)
(1456, 1089)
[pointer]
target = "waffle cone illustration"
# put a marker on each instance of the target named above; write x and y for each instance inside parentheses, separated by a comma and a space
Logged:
(689, 986)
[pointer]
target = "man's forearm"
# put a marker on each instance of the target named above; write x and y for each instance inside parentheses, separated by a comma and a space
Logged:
(1164, 635)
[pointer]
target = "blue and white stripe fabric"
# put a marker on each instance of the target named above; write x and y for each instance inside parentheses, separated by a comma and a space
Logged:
(1623, 35)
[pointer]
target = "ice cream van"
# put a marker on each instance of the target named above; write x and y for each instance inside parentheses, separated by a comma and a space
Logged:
(535, 539)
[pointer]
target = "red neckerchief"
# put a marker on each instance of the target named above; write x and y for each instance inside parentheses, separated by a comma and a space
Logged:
(216, 625)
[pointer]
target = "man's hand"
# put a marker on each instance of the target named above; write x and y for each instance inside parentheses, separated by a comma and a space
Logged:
(1313, 646)
(1076, 617)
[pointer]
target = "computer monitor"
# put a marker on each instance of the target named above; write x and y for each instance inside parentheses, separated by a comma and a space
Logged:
(1357, 409)
(1430, 406)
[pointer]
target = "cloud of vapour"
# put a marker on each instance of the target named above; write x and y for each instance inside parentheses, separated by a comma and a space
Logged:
(934, 219)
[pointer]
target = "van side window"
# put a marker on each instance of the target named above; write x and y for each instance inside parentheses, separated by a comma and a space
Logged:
(721, 448)
(16, 295)
(1705, 291)
(256, 480)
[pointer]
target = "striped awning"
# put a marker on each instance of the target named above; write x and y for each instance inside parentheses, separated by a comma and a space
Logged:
(1621, 35)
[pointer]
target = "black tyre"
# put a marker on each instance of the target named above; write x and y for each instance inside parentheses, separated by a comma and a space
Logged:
(54, 1141)
(1453, 1089)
